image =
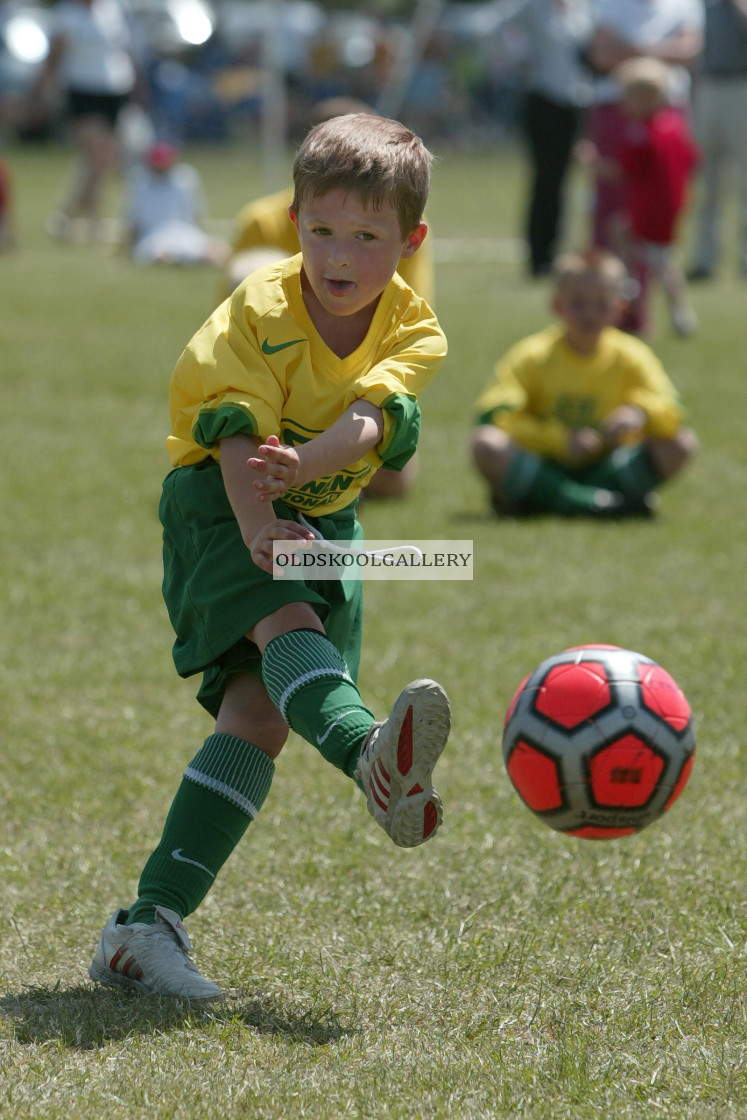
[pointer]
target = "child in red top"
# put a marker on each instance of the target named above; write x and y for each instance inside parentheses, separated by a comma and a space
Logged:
(7, 234)
(656, 159)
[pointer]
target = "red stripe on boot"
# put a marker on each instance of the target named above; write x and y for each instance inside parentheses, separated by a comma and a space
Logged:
(404, 746)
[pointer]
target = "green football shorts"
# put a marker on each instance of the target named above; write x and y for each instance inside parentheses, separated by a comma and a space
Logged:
(215, 593)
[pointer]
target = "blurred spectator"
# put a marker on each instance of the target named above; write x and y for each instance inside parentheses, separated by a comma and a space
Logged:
(557, 89)
(721, 120)
(431, 103)
(580, 419)
(670, 30)
(184, 101)
(91, 59)
(655, 160)
(164, 212)
(7, 227)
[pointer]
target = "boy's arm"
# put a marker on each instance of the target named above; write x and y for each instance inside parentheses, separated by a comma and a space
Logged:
(607, 48)
(258, 524)
(549, 438)
(652, 392)
(352, 436)
(507, 404)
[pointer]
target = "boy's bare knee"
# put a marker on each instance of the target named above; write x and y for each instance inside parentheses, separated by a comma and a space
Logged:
(266, 732)
(291, 616)
(687, 441)
(248, 713)
(492, 449)
(669, 456)
(270, 733)
(392, 484)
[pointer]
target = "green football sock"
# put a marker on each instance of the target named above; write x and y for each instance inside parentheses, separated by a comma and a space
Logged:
(629, 470)
(531, 483)
(310, 685)
(222, 791)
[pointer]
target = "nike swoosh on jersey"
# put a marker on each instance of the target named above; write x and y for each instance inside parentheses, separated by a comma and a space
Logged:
(268, 349)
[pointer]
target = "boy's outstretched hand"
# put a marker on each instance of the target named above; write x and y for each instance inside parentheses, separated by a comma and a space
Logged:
(261, 545)
(622, 423)
(584, 443)
(278, 467)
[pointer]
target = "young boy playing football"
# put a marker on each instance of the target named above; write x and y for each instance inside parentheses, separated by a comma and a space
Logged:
(282, 407)
(264, 232)
(580, 419)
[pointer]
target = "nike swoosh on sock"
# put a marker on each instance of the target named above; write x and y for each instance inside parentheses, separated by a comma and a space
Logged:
(177, 854)
(320, 739)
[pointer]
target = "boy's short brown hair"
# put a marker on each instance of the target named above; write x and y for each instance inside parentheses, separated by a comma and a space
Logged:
(595, 264)
(380, 159)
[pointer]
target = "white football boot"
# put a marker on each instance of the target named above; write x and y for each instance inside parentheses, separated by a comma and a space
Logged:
(397, 761)
(150, 958)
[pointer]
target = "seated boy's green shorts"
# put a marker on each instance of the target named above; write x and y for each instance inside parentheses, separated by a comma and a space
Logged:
(215, 593)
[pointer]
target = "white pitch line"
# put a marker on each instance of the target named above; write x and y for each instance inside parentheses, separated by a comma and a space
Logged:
(477, 250)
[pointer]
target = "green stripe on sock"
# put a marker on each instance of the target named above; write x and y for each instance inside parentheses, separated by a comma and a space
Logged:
(234, 769)
(309, 683)
(296, 659)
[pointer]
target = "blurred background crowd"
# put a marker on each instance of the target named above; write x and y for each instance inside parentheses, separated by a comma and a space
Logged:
(462, 73)
(205, 63)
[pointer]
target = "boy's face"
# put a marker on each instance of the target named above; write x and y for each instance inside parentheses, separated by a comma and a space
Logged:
(641, 102)
(587, 305)
(350, 251)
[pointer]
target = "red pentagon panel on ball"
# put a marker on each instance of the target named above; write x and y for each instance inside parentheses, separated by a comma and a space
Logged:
(573, 693)
(625, 774)
(663, 695)
(535, 776)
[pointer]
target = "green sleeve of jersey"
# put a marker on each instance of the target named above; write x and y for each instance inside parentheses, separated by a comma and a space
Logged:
(215, 424)
(401, 431)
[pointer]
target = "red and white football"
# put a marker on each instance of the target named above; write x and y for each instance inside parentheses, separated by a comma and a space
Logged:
(599, 741)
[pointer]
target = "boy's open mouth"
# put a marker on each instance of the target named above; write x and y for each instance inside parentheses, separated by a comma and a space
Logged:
(339, 287)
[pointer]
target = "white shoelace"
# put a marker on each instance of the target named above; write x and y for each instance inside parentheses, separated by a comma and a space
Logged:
(334, 547)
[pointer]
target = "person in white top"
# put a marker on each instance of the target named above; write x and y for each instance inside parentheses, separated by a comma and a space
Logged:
(91, 62)
(164, 211)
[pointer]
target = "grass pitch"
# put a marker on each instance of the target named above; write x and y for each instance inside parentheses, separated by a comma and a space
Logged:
(503, 971)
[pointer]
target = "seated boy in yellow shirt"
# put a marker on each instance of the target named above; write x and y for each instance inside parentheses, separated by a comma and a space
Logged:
(580, 419)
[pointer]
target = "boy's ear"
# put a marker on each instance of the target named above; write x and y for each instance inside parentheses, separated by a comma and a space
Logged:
(293, 216)
(414, 240)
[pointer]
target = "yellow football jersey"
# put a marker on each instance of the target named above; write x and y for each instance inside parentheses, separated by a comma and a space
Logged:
(264, 223)
(259, 366)
(543, 389)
